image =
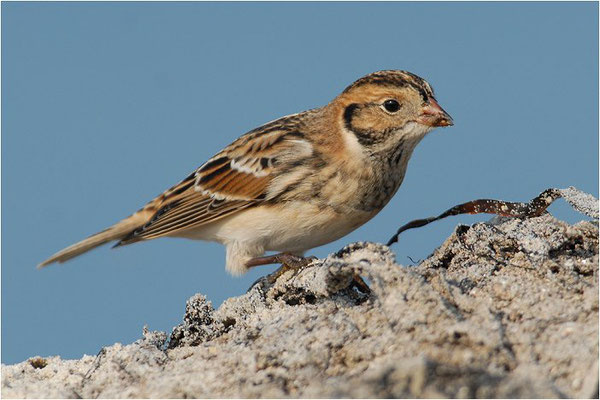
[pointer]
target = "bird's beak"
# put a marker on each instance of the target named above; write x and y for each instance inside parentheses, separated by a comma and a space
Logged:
(434, 115)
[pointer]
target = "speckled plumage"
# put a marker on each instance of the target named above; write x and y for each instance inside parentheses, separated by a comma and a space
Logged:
(297, 182)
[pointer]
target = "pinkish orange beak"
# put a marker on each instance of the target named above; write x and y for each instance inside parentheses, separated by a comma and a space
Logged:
(434, 115)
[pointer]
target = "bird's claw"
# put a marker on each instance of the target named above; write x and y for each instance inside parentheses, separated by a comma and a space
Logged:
(288, 263)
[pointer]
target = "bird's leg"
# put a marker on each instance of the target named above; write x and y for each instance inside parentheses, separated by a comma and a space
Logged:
(288, 262)
(295, 263)
(292, 261)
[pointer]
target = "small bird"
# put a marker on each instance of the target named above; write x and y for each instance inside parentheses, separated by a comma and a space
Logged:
(295, 183)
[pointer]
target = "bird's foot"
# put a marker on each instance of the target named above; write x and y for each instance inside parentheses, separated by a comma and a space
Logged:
(295, 264)
(289, 262)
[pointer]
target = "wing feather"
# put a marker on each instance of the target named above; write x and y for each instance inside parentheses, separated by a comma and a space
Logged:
(236, 178)
(198, 218)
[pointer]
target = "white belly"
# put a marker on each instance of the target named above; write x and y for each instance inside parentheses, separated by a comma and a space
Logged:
(295, 227)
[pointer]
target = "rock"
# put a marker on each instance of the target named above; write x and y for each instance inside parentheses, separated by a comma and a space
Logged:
(506, 308)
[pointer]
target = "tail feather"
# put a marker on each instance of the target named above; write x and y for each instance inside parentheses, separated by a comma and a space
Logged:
(117, 231)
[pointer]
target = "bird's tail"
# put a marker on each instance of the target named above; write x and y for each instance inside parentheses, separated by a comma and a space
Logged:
(117, 231)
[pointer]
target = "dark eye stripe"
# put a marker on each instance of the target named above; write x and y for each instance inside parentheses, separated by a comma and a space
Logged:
(348, 114)
(365, 137)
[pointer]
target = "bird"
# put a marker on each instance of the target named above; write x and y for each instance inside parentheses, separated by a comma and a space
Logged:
(295, 183)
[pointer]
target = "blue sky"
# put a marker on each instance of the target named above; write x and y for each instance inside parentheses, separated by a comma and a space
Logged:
(105, 105)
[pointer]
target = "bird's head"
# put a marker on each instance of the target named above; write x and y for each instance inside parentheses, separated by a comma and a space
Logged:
(388, 106)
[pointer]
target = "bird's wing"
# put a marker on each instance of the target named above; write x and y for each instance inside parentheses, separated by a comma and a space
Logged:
(238, 177)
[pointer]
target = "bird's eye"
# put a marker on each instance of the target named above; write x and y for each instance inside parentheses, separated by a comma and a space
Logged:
(391, 105)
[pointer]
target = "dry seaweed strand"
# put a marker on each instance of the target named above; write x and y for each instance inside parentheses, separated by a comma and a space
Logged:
(534, 208)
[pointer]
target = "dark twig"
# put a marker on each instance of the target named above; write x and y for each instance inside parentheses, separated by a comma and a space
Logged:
(534, 208)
